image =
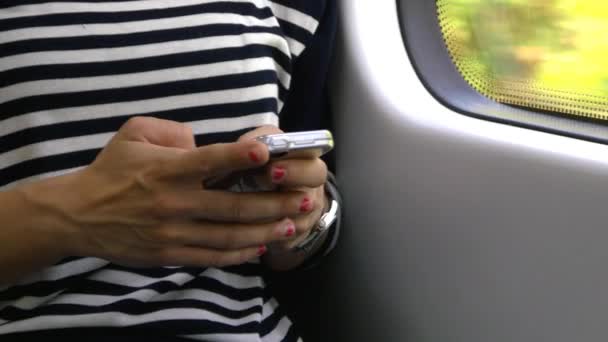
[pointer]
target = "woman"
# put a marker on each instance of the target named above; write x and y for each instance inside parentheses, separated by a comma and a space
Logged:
(112, 114)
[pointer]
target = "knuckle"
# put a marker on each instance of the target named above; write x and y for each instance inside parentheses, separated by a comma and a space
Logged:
(236, 209)
(230, 241)
(166, 234)
(285, 208)
(219, 260)
(135, 123)
(204, 167)
(166, 206)
(239, 257)
(177, 131)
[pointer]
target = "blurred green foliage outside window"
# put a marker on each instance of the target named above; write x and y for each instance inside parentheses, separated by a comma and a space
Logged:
(545, 54)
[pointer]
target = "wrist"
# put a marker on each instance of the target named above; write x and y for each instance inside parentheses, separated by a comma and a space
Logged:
(47, 206)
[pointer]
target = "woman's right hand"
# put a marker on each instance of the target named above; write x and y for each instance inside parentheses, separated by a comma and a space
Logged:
(141, 203)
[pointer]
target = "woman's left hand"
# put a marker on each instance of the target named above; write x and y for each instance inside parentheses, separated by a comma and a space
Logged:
(302, 175)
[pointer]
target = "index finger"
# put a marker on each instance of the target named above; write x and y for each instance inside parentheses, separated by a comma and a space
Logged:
(218, 159)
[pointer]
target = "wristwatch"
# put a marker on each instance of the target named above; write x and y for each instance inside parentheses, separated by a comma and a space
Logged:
(324, 223)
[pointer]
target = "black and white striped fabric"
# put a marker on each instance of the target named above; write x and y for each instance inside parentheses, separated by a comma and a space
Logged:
(71, 73)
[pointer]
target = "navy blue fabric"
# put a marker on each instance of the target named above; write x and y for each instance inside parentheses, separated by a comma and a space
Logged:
(308, 108)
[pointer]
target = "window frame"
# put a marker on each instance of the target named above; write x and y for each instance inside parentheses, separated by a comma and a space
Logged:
(425, 46)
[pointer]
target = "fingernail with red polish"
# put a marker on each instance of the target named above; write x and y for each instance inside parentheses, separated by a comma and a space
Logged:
(291, 230)
(286, 229)
(262, 250)
(278, 174)
(306, 205)
(254, 157)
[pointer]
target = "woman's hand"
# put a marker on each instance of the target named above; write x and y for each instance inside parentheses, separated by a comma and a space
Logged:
(306, 176)
(140, 203)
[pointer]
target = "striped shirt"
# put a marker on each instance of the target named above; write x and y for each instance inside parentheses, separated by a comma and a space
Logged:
(71, 73)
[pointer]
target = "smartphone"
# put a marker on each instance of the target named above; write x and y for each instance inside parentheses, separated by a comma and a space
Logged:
(306, 144)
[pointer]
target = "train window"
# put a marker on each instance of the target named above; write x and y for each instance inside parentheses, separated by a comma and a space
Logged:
(548, 55)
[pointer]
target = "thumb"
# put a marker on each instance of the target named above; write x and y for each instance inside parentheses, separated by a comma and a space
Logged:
(159, 132)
